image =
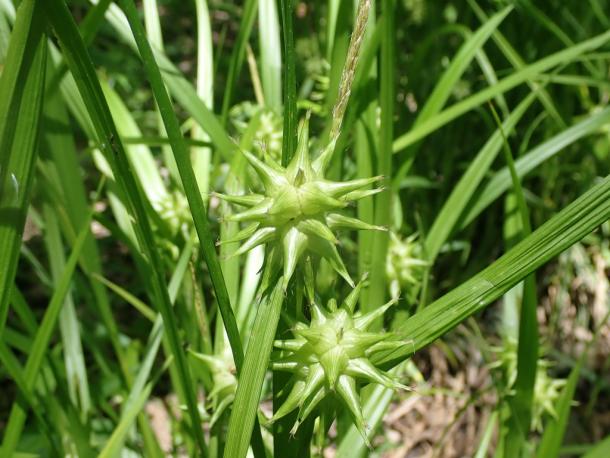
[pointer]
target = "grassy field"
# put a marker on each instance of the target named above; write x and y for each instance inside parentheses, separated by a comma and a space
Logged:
(291, 229)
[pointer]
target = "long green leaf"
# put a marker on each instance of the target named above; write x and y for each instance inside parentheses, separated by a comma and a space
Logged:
(237, 57)
(271, 55)
(455, 204)
(245, 406)
(377, 290)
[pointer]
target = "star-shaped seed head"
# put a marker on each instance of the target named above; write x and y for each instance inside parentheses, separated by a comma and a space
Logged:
(224, 381)
(330, 354)
(405, 265)
(297, 213)
(547, 389)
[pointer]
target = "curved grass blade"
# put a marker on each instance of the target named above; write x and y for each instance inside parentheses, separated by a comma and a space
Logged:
(518, 63)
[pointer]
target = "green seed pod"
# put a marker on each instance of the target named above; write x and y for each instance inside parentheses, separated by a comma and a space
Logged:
(329, 355)
(297, 213)
(546, 388)
(268, 135)
(224, 382)
(405, 265)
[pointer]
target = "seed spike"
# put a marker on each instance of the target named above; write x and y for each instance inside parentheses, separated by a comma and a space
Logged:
(327, 250)
(243, 200)
(270, 177)
(317, 228)
(361, 194)
(256, 213)
(338, 221)
(313, 199)
(293, 401)
(334, 362)
(241, 235)
(261, 236)
(313, 381)
(294, 243)
(301, 161)
(364, 321)
(289, 344)
(321, 162)
(362, 367)
(317, 314)
(285, 366)
(340, 188)
(220, 408)
(351, 300)
(346, 389)
(306, 408)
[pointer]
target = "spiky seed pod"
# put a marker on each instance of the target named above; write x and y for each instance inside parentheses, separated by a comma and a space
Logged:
(546, 389)
(224, 382)
(297, 213)
(174, 210)
(329, 355)
(268, 135)
(405, 265)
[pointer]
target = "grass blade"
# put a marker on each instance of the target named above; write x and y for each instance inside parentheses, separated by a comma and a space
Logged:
(290, 85)
(443, 89)
(377, 290)
(271, 55)
(245, 406)
(237, 57)
(457, 201)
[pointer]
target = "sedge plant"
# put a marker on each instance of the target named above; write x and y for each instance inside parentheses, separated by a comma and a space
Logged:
(198, 244)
